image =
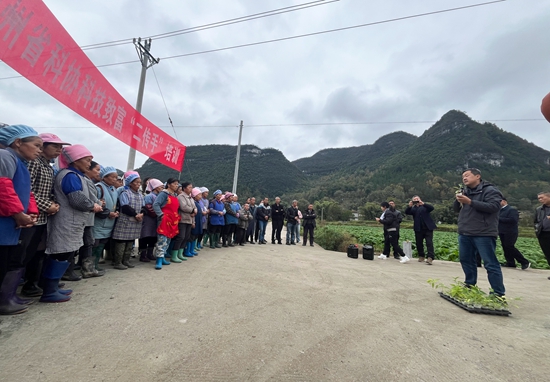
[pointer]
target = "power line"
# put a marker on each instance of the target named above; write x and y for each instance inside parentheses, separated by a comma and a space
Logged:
(306, 34)
(307, 124)
(213, 25)
(333, 30)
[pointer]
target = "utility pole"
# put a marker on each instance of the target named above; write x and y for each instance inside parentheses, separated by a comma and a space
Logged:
(236, 177)
(146, 62)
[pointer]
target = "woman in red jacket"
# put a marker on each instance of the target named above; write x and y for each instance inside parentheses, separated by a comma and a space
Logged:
(18, 209)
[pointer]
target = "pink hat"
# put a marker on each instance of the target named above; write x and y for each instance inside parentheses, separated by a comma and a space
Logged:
(52, 138)
(129, 172)
(153, 183)
(228, 195)
(71, 154)
(195, 191)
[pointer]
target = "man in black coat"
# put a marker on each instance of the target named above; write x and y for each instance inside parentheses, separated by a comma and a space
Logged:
(391, 224)
(423, 226)
(309, 224)
(508, 219)
(478, 205)
(277, 220)
(542, 224)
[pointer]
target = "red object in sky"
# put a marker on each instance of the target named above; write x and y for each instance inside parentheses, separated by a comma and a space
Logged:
(545, 107)
(35, 44)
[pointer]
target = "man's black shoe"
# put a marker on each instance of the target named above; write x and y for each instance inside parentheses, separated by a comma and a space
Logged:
(525, 266)
(287, 243)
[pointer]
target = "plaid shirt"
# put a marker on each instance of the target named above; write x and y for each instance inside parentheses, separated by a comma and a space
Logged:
(42, 186)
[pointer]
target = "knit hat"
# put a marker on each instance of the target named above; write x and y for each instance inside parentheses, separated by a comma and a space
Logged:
(9, 134)
(71, 154)
(130, 178)
(195, 191)
(228, 195)
(104, 171)
(217, 192)
(153, 183)
(204, 189)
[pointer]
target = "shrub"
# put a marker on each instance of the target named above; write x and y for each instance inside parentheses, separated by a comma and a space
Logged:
(333, 239)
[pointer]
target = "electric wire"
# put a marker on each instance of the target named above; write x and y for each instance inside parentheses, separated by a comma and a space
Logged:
(332, 30)
(171, 123)
(305, 35)
(213, 25)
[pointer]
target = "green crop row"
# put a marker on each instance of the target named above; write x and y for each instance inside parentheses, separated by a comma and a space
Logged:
(445, 243)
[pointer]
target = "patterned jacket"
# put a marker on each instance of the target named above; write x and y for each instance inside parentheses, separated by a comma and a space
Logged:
(42, 177)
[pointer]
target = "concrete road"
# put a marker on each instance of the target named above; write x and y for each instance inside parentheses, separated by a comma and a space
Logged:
(278, 313)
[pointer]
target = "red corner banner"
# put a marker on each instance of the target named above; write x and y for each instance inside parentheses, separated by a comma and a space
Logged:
(35, 44)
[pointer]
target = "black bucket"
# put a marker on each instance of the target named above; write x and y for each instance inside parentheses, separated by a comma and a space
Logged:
(368, 252)
(353, 251)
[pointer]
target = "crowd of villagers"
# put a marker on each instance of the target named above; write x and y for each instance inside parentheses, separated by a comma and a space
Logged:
(77, 215)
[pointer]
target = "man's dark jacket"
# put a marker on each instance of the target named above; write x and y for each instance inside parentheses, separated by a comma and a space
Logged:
(277, 212)
(291, 214)
(508, 219)
(540, 215)
(309, 218)
(421, 214)
(480, 218)
(390, 220)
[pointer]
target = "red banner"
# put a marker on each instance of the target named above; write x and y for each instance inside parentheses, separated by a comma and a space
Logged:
(35, 44)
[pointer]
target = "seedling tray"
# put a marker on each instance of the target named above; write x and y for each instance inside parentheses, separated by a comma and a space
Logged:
(475, 310)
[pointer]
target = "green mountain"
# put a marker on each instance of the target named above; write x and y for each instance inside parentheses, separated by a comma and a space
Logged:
(455, 143)
(397, 166)
(262, 172)
(329, 161)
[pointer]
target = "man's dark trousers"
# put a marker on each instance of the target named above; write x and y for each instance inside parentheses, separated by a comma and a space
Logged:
(276, 227)
(427, 235)
(511, 253)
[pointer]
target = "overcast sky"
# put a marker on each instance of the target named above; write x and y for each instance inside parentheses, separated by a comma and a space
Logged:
(492, 62)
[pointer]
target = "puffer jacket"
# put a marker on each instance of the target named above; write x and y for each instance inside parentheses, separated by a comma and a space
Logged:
(244, 218)
(480, 218)
(390, 220)
(187, 207)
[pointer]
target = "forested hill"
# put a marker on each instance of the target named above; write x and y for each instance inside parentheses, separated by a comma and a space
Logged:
(262, 172)
(329, 161)
(429, 165)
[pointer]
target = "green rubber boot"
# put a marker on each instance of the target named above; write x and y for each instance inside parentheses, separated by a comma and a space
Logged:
(180, 255)
(205, 240)
(213, 241)
(175, 258)
(96, 253)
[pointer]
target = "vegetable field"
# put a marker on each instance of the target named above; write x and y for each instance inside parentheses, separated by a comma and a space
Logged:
(445, 243)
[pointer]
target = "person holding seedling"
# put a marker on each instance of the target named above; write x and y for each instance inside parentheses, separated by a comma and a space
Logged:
(478, 206)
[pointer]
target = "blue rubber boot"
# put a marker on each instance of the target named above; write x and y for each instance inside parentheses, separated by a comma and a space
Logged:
(52, 273)
(187, 252)
(194, 249)
(199, 244)
(164, 261)
(159, 263)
